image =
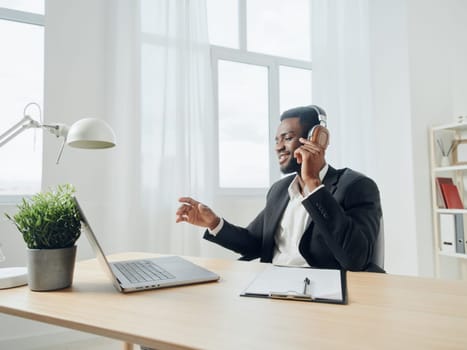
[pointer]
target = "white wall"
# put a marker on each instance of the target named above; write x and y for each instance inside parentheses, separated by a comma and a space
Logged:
(75, 87)
(390, 83)
(419, 55)
(438, 87)
(75, 55)
(418, 70)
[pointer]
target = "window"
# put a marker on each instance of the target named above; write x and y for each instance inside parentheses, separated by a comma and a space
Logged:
(21, 82)
(280, 28)
(295, 87)
(223, 15)
(242, 119)
(261, 58)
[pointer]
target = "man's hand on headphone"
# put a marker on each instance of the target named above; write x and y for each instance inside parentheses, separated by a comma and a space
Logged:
(311, 157)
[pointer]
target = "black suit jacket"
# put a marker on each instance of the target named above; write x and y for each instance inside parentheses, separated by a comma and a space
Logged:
(345, 215)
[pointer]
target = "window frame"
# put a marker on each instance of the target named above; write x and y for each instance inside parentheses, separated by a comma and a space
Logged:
(30, 19)
(273, 64)
(22, 17)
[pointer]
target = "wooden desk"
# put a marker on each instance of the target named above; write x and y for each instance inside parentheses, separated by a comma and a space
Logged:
(384, 312)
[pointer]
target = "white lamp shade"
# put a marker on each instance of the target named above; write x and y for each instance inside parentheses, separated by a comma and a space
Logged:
(91, 133)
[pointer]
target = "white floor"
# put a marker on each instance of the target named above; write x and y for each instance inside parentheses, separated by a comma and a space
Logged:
(98, 343)
(21, 334)
(88, 342)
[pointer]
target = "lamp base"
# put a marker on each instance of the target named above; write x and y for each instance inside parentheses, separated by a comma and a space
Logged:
(13, 277)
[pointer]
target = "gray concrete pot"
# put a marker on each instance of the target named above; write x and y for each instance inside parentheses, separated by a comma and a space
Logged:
(51, 269)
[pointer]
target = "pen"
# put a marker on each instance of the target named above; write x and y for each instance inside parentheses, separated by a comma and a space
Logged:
(294, 295)
(306, 283)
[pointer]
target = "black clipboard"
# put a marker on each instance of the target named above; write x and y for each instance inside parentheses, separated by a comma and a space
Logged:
(299, 283)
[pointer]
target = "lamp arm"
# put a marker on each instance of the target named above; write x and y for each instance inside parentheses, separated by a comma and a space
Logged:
(58, 129)
(88, 132)
(25, 123)
(61, 151)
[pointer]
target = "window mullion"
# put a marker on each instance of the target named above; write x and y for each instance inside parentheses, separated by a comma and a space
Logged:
(242, 25)
(21, 16)
(215, 85)
(274, 103)
(273, 64)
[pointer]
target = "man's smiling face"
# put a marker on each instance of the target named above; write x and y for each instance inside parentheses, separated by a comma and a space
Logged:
(288, 133)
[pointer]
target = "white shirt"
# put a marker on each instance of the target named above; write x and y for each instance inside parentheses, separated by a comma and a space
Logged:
(293, 224)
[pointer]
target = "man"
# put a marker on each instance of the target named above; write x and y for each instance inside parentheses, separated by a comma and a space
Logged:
(318, 216)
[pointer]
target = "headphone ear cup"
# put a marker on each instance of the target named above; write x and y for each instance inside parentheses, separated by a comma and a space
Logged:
(320, 135)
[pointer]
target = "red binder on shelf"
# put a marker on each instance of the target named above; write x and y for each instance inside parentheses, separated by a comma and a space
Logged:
(439, 194)
(451, 196)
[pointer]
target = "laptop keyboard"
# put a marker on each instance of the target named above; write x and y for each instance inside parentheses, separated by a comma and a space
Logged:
(142, 271)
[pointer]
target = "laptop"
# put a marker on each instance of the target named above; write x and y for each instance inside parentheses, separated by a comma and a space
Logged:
(153, 273)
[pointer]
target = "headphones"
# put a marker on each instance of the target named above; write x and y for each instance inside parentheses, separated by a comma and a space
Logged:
(319, 133)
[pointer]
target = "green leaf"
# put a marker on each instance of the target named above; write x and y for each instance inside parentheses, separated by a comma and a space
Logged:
(48, 220)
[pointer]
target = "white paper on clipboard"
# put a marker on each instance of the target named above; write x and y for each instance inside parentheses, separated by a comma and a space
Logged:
(325, 284)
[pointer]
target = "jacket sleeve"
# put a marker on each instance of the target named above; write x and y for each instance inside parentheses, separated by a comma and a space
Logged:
(347, 221)
(245, 241)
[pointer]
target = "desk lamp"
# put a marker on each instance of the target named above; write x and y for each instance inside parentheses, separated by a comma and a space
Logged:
(89, 133)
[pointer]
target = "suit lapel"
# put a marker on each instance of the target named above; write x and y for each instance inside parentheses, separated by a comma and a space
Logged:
(276, 206)
(330, 180)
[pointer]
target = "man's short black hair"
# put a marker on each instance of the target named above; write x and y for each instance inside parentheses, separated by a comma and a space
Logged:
(308, 116)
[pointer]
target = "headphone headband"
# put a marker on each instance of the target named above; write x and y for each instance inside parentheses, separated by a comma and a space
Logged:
(321, 115)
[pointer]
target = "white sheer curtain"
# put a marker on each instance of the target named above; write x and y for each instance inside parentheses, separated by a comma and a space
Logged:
(160, 102)
(342, 79)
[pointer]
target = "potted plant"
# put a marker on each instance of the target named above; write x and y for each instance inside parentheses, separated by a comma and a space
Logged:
(50, 225)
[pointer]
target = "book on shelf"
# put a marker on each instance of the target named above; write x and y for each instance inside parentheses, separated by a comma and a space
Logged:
(447, 233)
(451, 196)
(452, 233)
(439, 194)
(459, 226)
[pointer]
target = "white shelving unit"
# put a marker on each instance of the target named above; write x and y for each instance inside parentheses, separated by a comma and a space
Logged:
(458, 172)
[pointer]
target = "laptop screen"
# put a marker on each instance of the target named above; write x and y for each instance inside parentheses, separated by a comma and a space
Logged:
(96, 246)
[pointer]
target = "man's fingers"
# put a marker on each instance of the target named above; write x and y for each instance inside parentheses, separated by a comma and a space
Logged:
(311, 146)
(298, 155)
(183, 209)
(182, 218)
(188, 200)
